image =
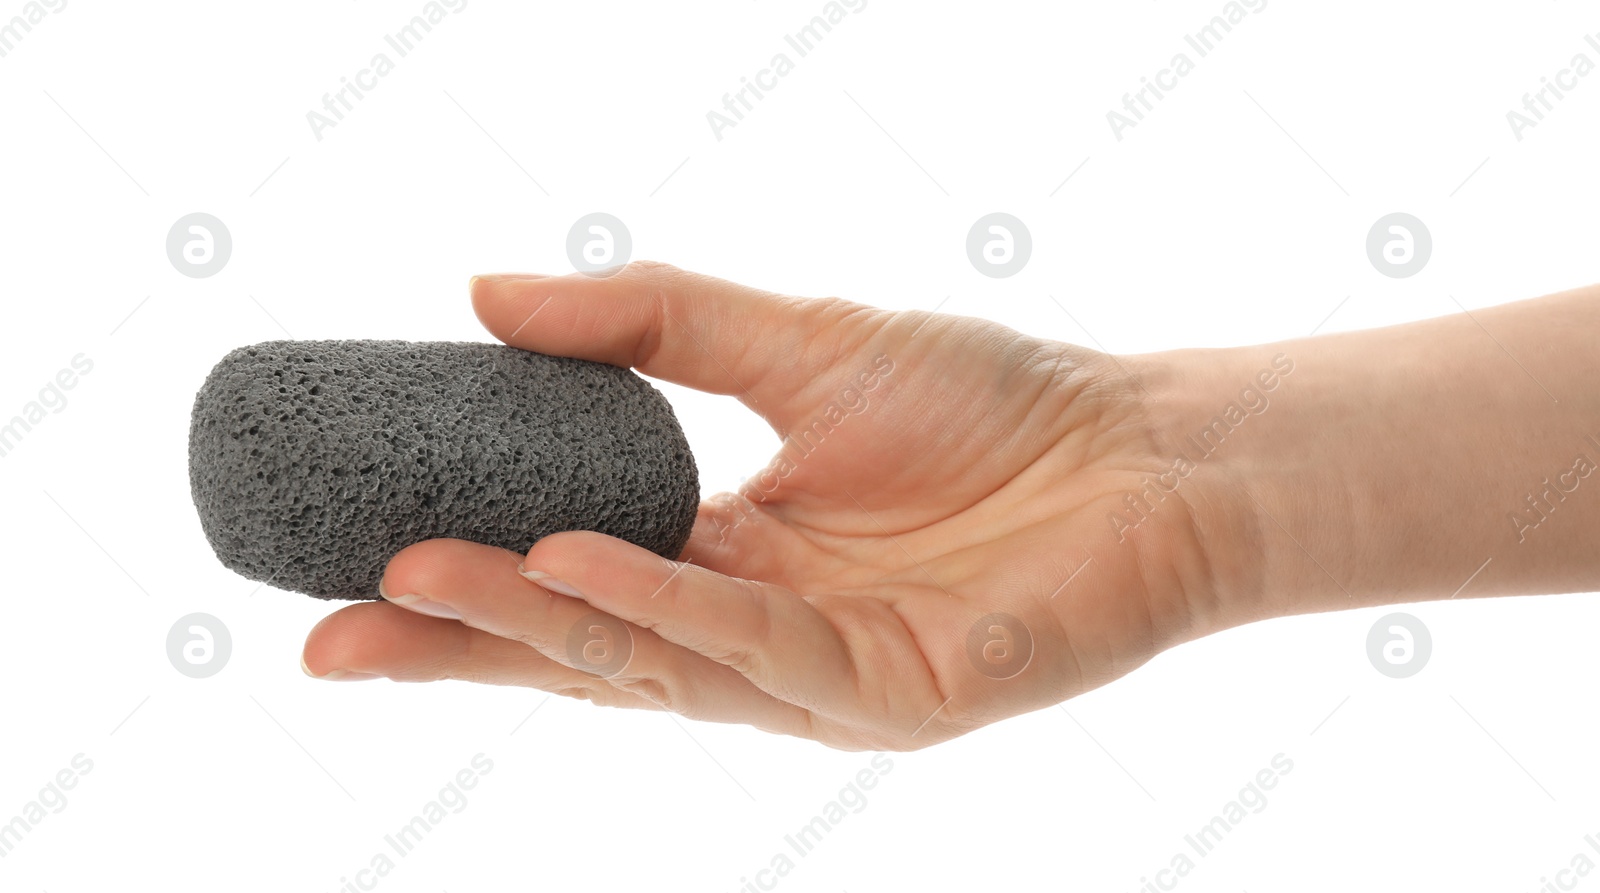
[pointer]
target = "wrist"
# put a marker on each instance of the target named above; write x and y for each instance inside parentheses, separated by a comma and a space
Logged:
(1414, 462)
(1208, 412)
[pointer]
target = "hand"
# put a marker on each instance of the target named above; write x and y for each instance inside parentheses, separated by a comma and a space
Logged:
(929, 551)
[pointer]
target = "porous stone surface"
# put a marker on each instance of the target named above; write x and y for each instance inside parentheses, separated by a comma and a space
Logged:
(313, 462)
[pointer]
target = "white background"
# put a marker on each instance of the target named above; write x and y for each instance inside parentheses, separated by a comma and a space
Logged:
(1235, 213)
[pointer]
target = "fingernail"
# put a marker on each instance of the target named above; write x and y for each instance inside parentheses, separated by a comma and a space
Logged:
(546, 581)
(337, 675)
(347, 676)
(425, 606)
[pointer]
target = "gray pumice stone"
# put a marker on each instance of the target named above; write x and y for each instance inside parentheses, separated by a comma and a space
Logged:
(312, 463)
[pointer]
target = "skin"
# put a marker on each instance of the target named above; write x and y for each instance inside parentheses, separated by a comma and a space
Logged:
(949, 554)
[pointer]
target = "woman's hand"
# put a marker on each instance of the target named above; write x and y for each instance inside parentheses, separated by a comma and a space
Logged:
(965, 523)
(934, 547)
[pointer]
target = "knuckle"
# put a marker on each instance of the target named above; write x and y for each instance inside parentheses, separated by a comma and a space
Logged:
(669, 593)
(576, 692)
(649, 269)
(561, 552)
(653, 690)
(423, 567)
(475, 675)
(744, 652)
(743, 660)
(532, 638)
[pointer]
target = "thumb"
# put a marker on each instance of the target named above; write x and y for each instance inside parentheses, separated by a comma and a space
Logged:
(686, 328)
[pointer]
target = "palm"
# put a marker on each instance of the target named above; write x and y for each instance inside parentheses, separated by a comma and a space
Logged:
(970, 483)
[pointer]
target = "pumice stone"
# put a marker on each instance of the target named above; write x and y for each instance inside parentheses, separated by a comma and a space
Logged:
(312, 463)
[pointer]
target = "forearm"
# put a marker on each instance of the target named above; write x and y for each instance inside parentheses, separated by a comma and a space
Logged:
(1397, 464)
